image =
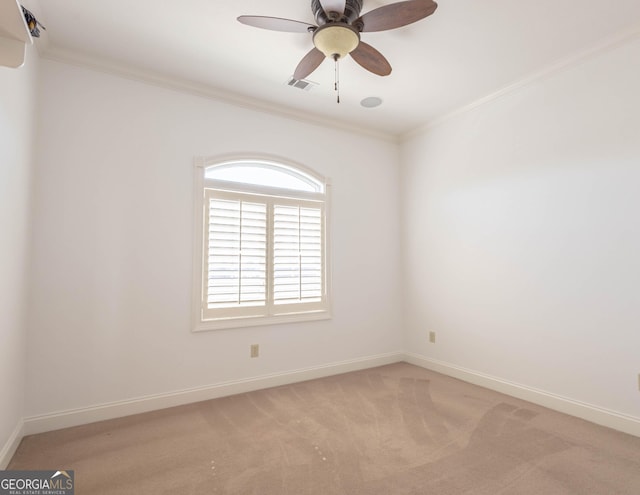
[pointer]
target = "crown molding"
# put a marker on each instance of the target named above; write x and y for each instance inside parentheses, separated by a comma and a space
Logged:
(125, 71)
(47, 51)
(603, 46)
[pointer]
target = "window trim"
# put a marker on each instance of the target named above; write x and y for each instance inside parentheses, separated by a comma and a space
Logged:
(202, 184)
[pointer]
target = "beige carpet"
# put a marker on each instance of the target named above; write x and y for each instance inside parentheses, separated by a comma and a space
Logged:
(394, 430)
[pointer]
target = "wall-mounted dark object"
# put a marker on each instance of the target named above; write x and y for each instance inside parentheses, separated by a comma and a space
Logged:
(32, 23)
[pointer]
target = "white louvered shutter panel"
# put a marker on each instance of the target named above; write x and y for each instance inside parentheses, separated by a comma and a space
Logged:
(298, 262)
(236, 275)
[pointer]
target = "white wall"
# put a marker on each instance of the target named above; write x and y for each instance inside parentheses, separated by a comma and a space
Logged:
(17, 111)
(520, 240)
(522, 237)
(111, 286)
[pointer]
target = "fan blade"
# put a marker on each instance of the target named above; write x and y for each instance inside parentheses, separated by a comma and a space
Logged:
(396, 15)
(309, 63)
(371, 59)
(333, 6)
(276, 24)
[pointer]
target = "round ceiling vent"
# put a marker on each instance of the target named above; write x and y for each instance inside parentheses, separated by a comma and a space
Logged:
(371, 102)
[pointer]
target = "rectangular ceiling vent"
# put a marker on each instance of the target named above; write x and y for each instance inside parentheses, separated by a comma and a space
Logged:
(301, 84)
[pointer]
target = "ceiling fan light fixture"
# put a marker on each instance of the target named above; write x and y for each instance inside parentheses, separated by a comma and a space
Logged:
(336, 39)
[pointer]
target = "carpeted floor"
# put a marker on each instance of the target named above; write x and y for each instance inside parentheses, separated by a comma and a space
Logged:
(395, 430)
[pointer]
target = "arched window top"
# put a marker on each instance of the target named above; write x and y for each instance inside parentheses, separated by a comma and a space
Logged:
(261, 249)
(265, 173)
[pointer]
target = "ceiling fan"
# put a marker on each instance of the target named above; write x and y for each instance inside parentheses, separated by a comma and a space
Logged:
(338, 31)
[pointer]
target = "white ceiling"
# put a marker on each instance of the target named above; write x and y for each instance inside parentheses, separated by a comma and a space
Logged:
(467, 50)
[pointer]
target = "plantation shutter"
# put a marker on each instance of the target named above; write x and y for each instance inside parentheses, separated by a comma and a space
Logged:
(236, 250)
(264, 256)
(298, 262)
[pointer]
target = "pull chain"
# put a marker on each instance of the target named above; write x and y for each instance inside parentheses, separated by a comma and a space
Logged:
(337, 77)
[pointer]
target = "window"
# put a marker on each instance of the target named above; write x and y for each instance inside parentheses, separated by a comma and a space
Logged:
(261, 254)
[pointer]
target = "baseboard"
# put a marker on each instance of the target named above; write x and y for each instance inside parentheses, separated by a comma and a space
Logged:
(10, 447)
(77, 417)
(594, 414)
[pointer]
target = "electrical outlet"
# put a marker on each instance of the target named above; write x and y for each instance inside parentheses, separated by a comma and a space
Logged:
(255, 350)
(432, 337)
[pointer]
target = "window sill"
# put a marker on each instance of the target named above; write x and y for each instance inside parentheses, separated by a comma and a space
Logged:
(227, 323)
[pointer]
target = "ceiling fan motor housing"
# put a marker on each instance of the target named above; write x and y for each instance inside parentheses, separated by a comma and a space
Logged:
(351, 12)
